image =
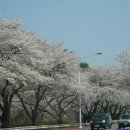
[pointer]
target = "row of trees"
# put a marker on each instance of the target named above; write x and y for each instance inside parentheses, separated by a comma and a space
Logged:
(105, 93)
(29, 70)
(43, 78)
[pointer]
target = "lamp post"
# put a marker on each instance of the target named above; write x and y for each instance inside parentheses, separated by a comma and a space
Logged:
(80, 100)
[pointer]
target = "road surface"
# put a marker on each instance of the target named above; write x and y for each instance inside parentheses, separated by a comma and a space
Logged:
(114, 127)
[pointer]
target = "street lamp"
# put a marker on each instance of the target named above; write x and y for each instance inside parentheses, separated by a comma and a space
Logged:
(80, 100)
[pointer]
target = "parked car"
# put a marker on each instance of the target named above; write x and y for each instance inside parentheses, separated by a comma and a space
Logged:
(101, 120)
(124, 121)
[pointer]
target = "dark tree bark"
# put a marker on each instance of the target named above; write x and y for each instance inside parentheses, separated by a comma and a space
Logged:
(33, 110)
(7, 93)
(64, 102)
(5, 118)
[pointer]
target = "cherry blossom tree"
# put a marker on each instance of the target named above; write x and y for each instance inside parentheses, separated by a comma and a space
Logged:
(28, 63)
(60, 65)
(124, 59)
(23, 63)
(100, 91)
(63, 101)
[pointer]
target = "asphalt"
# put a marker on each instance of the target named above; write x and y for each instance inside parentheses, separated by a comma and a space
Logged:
(73, 128)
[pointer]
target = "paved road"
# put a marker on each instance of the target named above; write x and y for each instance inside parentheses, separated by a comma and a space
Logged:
(114, 127)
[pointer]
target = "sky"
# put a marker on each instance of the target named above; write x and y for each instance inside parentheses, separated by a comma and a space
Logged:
(83, 26)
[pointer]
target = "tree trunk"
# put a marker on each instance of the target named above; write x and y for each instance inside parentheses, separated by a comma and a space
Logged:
(34, 118)
(5, 118)
(60, 121)
(7, 96)
(33, 121)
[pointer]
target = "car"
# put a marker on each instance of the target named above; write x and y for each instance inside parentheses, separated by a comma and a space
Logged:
(124, 120)
(101, 120)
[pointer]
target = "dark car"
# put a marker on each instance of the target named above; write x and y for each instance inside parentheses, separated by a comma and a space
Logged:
(101, 120)
(124, 121)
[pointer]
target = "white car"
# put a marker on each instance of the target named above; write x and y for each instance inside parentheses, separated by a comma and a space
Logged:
(124, 121)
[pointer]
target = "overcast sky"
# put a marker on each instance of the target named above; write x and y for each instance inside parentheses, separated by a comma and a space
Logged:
(83, 26)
